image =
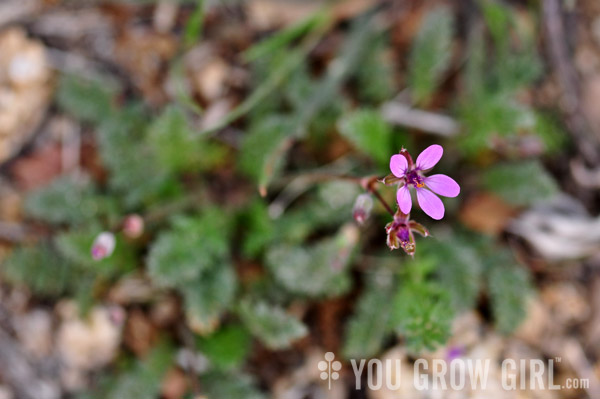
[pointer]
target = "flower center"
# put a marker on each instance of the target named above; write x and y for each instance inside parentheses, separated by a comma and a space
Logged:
(413, 178)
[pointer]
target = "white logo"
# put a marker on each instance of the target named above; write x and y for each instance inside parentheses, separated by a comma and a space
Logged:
(329, 368)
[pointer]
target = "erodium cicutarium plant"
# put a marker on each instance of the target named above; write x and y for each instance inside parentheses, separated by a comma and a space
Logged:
(409, 176)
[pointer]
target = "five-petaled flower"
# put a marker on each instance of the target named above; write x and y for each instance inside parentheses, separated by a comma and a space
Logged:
(411, 174)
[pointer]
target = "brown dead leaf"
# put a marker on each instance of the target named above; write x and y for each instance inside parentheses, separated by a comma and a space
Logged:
(165, 312)
(144, 54)
(486, 213)
(37, 169)
(174, 384)
(140, 335)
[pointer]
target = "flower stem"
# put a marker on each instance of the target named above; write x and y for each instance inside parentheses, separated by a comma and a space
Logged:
(369, 184)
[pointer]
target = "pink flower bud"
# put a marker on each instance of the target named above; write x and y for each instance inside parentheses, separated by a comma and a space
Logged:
(103, 245)
(362, 208)
(133, 226)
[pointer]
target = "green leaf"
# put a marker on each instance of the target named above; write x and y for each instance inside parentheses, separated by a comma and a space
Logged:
(421, 313)
(192, 246)
(458, 267)
(227, 348)
(40, 269)
(217, 384)
(509, 287)
(135, 171)
(70, 200)
(258, 227)
(193, 26)
(144, 380)
(271, 324)
(315, 271)
(331, 208)
(264, 148)
(208, 296)
(284, 37)
(375, 77)
(369, 133)
(176, 146)
(523, 183)
(87, 99)
(369, 324)
(431, 53)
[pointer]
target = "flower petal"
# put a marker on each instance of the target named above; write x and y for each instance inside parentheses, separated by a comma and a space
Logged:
(398, 165)
(430, 203)
(404, 200)
(429, 157)
(442, 185)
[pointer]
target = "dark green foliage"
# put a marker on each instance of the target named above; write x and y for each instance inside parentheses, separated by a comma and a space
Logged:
(314, 271)
(370, 323)
(422, 314)
(227, 348)
(40, 269)
(509, 287)
(522, 183)
(70, 200)
(217, 384)
(90, 100)
(258, 226)
(209, 295)
(177, 147)
(458, 268)
(431, 53)
(192, 246)
(271, 324)
(369, 133)
(144, 379)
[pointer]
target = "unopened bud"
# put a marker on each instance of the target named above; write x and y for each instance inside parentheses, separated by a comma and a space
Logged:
(103, 245)
(362, 208)
(133, 226)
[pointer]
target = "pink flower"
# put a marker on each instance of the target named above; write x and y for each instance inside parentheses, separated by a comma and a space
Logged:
(412, 175)
(103, 245)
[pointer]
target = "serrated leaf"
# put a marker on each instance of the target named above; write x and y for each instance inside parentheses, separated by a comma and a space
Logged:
(217, 384)
(375, 78)
(144, 380)
(369, 323)
(523, 183)
(208, 296)
(259, 228)
(509, 287)
(68, 199)
(192, 246)
(315, 271)
(264, 148)
(458, 267)
(431, 53)
(369, 133)
(271, 324)
(421, 313)
(87, 99)
(135, 171)
(227, 348)
(176, 146)
(40, 269)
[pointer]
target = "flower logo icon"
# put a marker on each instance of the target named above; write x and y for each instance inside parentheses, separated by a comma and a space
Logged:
(329, 368)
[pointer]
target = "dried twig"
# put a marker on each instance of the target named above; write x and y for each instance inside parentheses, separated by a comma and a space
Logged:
(560, 57)
(17, 10)
(430, 122)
